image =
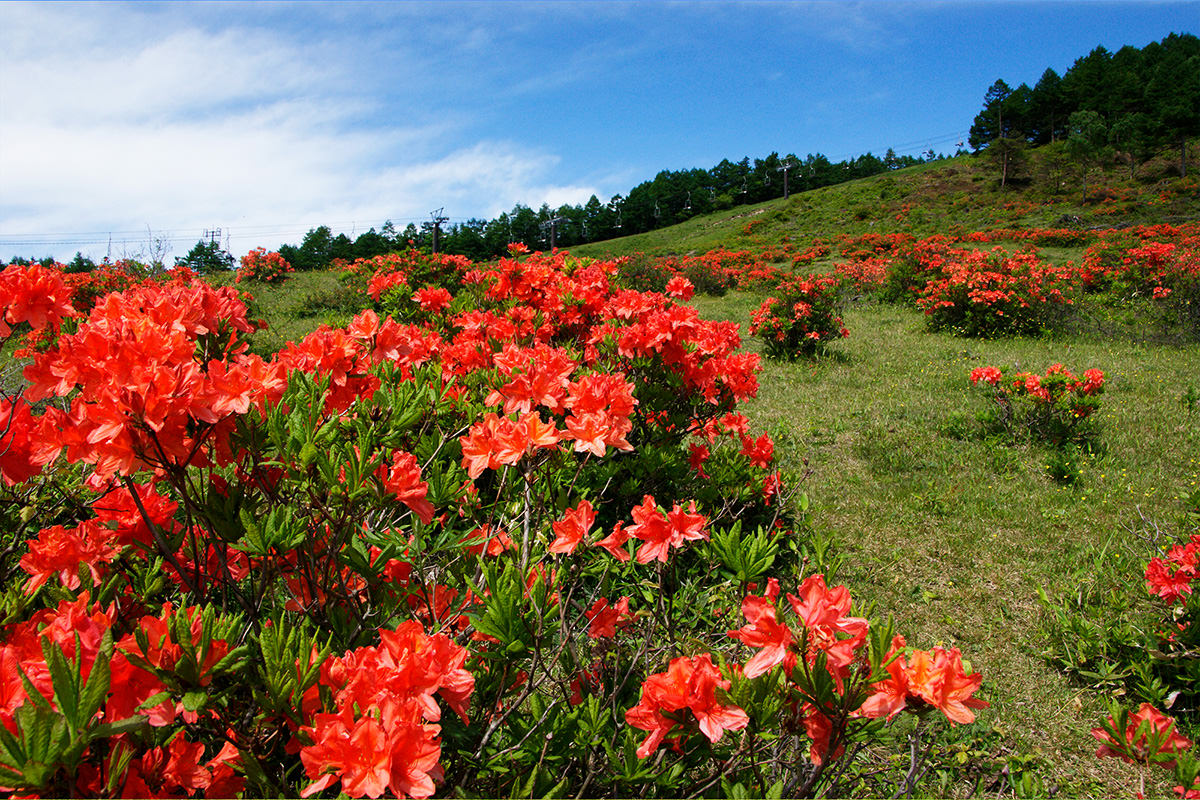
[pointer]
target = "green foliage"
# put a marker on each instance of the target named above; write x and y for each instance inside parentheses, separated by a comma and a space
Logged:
(1112, 636)
(339, 300)
(643, 274)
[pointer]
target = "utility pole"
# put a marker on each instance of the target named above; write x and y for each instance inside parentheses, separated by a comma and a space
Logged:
(784, 169)
(552, 224)
(437, 218)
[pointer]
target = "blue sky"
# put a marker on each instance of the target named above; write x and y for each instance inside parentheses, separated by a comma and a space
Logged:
(267, 119)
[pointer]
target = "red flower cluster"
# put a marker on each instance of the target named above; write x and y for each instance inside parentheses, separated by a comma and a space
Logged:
(381, 738)
(259, 265)
(928, 679)
(825, 628)
(1171, 578)
(143, 392)
(660, 532)
(689, 684)
(35, 295)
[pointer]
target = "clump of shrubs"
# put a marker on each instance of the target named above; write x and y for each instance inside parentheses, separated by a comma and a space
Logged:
(801, 318)
(262, 267)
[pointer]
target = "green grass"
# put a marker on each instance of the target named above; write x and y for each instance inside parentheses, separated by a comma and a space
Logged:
(298, 305)
(953, 533)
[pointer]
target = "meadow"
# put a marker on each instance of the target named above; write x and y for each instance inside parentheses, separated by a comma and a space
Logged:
(809, 507)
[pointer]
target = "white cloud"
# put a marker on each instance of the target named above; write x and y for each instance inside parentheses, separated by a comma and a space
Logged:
(143, 118)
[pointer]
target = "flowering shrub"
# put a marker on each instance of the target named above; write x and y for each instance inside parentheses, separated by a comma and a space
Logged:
(263, 267)
(644, 273)
(1149, 737)
(1051, 408)
(866, 276)
(454, 553)
(801, 319)
(987, 294)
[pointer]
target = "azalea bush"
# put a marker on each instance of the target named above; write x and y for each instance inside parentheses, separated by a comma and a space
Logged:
(977, 293)
(800, 318)
(263, 267)
(461, 549)
(1054, 408)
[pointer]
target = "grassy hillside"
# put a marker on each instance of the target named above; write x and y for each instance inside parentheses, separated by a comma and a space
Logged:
(957, 194)
(960, 534)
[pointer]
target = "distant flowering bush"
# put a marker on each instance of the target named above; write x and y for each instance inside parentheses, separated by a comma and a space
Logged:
(263, 267)
(800, 318)
(978, 293)
(1052, 408)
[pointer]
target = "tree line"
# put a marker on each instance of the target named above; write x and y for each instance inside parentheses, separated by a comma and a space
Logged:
(670, 198)
(1132, 103)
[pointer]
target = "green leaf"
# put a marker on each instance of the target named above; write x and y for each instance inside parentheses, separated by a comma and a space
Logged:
(98, 682)
(64, 679)
(194, 700)
(128, 725)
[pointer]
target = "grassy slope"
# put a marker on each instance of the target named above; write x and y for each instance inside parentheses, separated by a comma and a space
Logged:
(955, 194)
(955, 537)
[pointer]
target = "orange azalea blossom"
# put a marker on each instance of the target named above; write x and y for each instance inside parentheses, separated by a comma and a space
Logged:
(498, 441)
(820, 729)
(381, 737)
(1171, 578)
(760, 450)
(403, 479)
(570, 530)
(35, 295)
(488, 542)
(58, 552)
(166, 773)
(139, 378)
(986, 374)
(697, 455)
(890, 696)
(538, 376)
(614, 543)
(688, 684)
(823, 612)
(23, 450)
(605, 619)
(431, 298)
(764, 630)
(937, 678)
(680, 288)
(662, 532)
(1149, 734)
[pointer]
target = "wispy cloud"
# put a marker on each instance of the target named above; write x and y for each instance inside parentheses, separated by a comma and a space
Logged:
(143, 118)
